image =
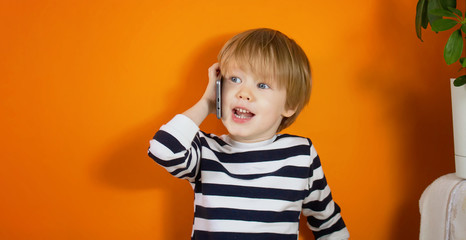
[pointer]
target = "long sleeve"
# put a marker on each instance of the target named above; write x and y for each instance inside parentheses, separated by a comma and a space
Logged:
(176, 147)
(323, 214)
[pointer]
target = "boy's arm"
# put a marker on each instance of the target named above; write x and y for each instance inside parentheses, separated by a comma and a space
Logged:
(323, 214)
(206, 105)
(176, 146)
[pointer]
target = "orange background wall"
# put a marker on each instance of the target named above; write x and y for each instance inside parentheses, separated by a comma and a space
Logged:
(84, 85)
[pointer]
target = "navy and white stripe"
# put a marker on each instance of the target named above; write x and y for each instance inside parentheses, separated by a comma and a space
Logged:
(249, 191)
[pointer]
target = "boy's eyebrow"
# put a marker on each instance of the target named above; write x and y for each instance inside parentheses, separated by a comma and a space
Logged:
(231, 72)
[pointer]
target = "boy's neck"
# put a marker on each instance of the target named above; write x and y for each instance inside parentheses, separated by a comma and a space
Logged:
(249, 144)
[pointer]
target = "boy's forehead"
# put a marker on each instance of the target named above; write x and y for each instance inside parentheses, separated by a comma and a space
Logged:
(233, 67)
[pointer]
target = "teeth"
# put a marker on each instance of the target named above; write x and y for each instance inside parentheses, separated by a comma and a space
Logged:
(238, 116)
(242, 113)
(242, 110)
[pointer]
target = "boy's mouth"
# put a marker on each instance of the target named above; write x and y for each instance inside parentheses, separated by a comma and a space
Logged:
(242, 113)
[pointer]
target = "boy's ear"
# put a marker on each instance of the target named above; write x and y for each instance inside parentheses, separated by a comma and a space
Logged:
(289, 112)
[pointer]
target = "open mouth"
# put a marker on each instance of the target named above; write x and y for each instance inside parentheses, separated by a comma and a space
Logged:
(242, 113)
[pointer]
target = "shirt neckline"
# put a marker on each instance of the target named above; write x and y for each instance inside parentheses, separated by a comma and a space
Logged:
(243, 145)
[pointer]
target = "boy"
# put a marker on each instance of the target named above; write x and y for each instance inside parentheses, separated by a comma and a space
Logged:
(253, 183)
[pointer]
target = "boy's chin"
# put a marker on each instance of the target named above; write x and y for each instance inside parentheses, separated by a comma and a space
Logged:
(240, 134)
(248, 138)
(246, 133)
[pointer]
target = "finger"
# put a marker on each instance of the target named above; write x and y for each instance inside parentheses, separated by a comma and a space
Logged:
(214, 67)
(214, 71)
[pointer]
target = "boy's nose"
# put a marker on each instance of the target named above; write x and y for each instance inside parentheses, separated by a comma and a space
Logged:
(244, 94)
(244, 97)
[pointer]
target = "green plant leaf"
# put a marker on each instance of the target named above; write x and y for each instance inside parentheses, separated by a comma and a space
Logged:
(443, 24)
(448, 3)
(442, 13)
(456, 11)
(421, 17)
(454, 47)
(460, 81)
(463, 28)
(463, 63)
(433, 5)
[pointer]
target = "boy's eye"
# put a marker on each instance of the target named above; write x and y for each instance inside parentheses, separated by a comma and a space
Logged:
(235, 79)
(263, 86)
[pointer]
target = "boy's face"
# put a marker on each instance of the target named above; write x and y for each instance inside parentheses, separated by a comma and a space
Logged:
(252, 109)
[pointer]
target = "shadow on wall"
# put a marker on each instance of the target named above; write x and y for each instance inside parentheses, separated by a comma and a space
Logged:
(131, 168)
(411, 80)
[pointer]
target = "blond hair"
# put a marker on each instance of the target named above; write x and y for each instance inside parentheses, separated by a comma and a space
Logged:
(271, 56)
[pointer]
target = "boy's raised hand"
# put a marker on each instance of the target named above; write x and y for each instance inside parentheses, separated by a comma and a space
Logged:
(209, 94)
(206, 105)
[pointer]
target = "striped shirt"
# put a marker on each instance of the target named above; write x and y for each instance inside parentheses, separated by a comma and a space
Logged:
(249, 191)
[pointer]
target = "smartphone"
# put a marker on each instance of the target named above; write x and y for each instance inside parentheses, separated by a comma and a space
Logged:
(218, 97)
